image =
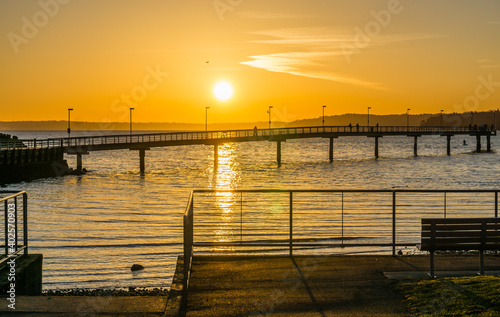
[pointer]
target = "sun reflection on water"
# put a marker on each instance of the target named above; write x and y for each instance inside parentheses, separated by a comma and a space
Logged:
(225, 177)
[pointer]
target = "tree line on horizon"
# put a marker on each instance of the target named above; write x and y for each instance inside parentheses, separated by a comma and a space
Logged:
(446, 119)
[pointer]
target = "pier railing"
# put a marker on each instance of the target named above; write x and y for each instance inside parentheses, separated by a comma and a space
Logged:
(228, 134)
(15, 222)
(263, 221)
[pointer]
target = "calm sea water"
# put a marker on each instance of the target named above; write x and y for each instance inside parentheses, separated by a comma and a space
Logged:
(92, 228)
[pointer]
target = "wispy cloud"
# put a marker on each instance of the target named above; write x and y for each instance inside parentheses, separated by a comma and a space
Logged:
(301, 64)
(309, 48)
(264, 15)
(487, 63)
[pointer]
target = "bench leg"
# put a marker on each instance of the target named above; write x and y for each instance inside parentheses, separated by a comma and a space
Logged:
(481, 262)
(431, 274)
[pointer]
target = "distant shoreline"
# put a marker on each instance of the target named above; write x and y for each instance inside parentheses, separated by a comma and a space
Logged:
(453, 119)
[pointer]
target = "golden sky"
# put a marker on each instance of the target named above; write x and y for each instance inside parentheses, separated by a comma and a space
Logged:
(163, 57)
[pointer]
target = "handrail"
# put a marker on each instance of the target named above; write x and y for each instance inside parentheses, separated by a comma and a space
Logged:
(11, 238)
(291, 242)
(225, 134)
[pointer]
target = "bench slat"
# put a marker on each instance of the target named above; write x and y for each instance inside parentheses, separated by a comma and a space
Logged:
(448, 227)
(477, 240)
(459, 233)
(459, 220)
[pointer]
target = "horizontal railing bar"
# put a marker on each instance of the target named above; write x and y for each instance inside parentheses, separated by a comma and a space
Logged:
(346, 190)
(11, 196)
(12, 254)
(282, 244)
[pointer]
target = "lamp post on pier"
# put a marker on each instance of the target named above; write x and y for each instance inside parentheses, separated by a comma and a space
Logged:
(324, 116)
(269, 111)
(442, 119)
(206, 118)
(69, 121)
(131, 120)
(368, 117)
(408, 118)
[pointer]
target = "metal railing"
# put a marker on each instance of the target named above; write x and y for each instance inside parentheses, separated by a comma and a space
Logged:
(12, 246)
(400, 205)
(225, 134)
(404, 204)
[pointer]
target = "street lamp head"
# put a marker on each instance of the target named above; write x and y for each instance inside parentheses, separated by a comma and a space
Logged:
(132, 108)
(70, 109)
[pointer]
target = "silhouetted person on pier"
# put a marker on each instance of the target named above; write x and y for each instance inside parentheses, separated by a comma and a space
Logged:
(255, 131)
(357, 127)
(377, 127)
(350, 127)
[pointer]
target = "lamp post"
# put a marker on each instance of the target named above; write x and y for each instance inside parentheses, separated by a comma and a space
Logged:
(408, 118)
(471, 118)
(69, 121)
(131, 120)
(368, 117)
(206, 118)
(442, 118)
(269, 111)
(324, 116)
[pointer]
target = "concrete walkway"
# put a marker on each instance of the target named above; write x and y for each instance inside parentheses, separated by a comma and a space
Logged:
(277, 286)
(308, 286)
(86, 306)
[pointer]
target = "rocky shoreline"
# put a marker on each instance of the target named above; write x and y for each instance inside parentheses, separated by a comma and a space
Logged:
(131, 291)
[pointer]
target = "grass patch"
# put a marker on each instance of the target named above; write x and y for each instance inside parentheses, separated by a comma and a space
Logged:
(454, 296)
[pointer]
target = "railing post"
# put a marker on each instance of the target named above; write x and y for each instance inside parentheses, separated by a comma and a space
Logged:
(291, 224)
(25, 222)
(6, 228)
(393, 223)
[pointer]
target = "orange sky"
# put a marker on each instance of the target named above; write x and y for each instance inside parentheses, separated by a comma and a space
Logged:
(163, 57)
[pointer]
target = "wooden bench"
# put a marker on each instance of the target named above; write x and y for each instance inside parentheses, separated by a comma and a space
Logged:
(466, 234)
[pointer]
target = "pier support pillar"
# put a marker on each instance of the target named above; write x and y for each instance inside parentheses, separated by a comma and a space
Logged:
(488, 143)
(278, 152)
(142, 155)
(79, 162)
(478, 143)
(448, 145)
(415, 145)
(376, 147)
(331, 150)
(216, 156)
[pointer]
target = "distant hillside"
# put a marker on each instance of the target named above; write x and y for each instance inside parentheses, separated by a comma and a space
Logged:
(454, 119)
(464, 119)
(362, 120)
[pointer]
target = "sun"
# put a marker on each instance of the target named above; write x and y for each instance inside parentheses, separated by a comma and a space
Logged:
(223, 90)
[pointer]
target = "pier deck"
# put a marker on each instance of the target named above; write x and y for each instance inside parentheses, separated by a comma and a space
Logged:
(308, 285)
(13, 153)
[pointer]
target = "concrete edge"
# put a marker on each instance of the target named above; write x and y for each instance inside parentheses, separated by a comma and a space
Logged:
(174, 301)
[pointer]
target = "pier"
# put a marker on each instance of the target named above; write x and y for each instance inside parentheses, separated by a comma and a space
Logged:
(80, 146)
